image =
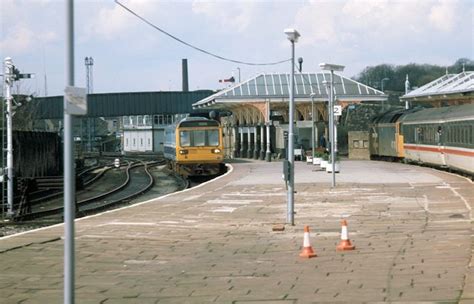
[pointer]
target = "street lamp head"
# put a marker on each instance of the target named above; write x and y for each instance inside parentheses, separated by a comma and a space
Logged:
(331, 67)
(386, 79)
(8, 61)
(292, 34)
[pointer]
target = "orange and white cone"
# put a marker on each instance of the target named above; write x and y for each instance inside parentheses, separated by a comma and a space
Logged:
(307, 251)
(345, 243)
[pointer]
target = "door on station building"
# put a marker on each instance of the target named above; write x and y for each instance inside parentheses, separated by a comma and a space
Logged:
(158, 140)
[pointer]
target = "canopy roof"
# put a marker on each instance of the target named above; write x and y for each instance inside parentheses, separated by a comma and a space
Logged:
(445, 85)
(275, 87)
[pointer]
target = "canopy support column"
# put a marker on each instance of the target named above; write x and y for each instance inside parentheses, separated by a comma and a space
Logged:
(268, 154)
(242, 151)
(249, 142)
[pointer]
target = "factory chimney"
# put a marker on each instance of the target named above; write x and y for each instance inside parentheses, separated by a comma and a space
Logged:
(185, 75)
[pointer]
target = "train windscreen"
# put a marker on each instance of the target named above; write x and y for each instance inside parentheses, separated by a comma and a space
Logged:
(199, 138)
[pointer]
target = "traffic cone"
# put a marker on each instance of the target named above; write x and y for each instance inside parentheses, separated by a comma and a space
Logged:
(345, 243)
(307, 251)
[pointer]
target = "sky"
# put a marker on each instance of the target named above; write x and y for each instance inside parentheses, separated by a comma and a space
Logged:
(131, 56)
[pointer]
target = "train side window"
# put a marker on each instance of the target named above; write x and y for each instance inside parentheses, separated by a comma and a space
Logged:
(160, 119)
(155, 119)
(185, 138)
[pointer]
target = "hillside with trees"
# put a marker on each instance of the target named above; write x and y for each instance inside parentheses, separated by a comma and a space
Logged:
(419, 74)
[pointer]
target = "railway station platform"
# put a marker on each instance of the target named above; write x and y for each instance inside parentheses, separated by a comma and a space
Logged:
(412, 228)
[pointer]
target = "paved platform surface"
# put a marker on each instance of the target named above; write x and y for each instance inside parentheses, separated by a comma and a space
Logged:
(412, 228)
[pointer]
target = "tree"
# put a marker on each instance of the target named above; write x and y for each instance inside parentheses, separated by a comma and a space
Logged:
(419, 74)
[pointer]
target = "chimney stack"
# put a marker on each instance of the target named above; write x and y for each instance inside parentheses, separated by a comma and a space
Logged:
(185, 75)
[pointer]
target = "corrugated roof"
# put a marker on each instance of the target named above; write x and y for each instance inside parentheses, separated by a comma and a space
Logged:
(276, 86)
(445, 85)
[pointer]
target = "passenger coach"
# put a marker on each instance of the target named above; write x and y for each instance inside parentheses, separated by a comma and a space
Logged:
(441, 137)
(194, 147)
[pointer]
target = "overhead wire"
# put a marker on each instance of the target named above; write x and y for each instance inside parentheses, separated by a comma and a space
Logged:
(195, 47)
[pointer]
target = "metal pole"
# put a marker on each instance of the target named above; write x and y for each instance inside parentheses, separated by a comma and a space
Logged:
(407, 89)
(268, 153)
(331, 129)
(69, 181)
(8, 96)
(312, 127)
(383, 102)
(291, 157)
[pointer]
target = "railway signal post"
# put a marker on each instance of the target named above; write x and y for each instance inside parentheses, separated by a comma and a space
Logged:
(11, 74)
(9, 78)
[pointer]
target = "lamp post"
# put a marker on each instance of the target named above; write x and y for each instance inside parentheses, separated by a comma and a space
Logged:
(293, 36)
(312, 125)
(332, 68)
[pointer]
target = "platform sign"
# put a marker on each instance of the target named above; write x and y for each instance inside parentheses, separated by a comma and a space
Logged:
(337, 110)
(76, 101)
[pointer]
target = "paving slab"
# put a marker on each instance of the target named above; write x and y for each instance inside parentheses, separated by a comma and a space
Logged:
(412, 228)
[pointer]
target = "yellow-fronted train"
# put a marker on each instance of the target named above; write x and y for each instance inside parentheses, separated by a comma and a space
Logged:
(194, 147)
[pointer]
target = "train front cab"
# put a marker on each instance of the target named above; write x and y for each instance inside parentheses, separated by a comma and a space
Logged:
(199, 149)
(386, 142)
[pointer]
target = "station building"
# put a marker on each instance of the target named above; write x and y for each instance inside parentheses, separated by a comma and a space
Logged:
(254, 113)
(258, 123)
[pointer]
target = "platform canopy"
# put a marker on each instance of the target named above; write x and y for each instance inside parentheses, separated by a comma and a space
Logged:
(275, 88)
(450, 89)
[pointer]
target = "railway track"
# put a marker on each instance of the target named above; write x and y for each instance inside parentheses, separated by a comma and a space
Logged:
(135, 180)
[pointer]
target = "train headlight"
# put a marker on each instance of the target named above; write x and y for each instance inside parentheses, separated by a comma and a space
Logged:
(183, 152)
(216, 150)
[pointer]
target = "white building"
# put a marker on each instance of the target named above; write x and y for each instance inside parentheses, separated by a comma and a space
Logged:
(145, 133)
